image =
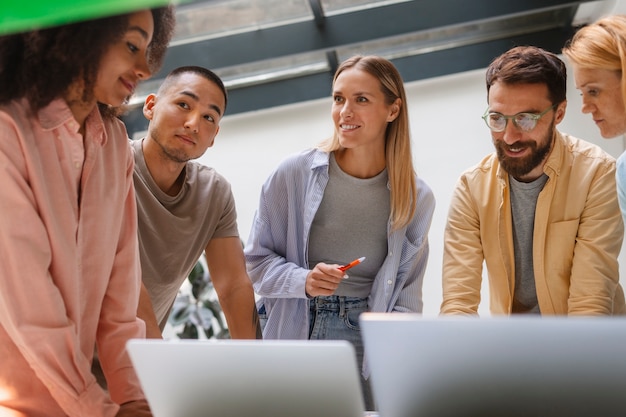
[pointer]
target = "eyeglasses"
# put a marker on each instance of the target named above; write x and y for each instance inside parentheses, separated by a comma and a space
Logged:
(523, 121)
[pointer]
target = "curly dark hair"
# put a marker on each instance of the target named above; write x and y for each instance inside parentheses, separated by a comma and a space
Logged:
(41, 65)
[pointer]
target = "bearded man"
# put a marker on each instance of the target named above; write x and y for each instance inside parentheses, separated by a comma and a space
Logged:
(541, 212)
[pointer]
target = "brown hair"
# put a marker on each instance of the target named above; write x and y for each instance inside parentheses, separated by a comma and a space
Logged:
(530, 65)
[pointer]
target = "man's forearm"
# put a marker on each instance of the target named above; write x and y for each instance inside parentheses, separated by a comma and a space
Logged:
(242, 317)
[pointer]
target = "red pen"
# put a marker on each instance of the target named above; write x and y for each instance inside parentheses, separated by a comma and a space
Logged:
(351, 264)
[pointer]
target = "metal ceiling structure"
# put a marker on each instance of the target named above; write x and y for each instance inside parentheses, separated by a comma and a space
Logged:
(277, 52)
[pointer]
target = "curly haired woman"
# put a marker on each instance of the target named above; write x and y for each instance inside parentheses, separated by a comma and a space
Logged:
(69, 279)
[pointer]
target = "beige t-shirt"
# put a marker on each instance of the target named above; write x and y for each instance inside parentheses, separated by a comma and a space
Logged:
(175, 230)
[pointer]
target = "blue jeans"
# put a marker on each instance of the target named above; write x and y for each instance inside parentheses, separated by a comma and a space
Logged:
(337, 318)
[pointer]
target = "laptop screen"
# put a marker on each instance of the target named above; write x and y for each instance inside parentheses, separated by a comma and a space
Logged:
(237, 378)
(518, 366)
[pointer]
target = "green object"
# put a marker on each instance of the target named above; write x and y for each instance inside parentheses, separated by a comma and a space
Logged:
(20, 15)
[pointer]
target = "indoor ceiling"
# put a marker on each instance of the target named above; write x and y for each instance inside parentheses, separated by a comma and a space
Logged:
(276, 52)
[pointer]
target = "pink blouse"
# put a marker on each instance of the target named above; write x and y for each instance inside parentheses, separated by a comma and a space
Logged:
(69, 269)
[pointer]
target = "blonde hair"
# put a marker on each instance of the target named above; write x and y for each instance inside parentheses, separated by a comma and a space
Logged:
(399, 157)
(600, 45)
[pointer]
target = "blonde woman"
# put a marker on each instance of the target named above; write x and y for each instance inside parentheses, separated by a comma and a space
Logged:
(356, 195)
(597, 53)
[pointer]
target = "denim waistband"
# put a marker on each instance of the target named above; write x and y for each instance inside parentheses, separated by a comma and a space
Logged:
(337, 303)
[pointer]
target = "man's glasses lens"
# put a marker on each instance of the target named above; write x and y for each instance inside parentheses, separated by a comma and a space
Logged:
(523, 121)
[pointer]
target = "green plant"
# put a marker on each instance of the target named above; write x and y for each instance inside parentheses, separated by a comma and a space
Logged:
(197, 309)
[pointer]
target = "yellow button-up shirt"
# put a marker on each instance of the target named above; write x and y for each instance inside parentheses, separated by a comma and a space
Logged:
(577, 236)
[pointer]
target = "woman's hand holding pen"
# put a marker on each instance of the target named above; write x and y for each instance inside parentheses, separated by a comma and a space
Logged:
(323, 279)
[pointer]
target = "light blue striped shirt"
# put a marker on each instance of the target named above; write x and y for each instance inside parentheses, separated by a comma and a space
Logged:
(276, 251)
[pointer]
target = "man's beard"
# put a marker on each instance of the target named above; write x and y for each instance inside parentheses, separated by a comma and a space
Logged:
(519, 167)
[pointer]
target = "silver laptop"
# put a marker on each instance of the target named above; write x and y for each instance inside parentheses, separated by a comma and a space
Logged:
(518, 366)
(260, 378)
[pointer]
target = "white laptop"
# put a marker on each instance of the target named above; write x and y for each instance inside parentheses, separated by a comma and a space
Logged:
(260, 378)
(518, 366)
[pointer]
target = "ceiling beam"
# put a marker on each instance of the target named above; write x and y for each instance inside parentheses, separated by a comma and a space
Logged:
(344, 29)
(361, 27)
(318, 13)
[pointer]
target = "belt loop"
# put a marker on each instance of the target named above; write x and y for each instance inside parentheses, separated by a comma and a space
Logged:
(342, 306)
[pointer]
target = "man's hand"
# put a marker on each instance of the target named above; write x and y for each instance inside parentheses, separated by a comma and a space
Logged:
(135, 409)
